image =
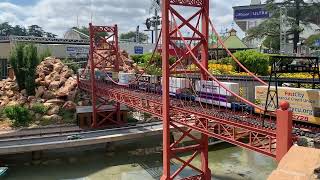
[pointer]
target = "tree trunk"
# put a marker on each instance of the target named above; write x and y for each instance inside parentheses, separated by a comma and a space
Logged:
(296, 33)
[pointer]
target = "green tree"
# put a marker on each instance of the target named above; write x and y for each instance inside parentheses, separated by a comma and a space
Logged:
(31, 62)
(35, 30)
(24, 60)
(299, 13)
(19, 31)
(272, 42)
(312, 39)
(131, 35)
(5, 29)
(50, 35)
(85, 30)
(16, 59)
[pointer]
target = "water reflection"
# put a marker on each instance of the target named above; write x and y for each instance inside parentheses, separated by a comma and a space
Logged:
(138, 160)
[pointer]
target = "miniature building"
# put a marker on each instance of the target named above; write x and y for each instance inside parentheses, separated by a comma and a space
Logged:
(84, 114)
(231, 41)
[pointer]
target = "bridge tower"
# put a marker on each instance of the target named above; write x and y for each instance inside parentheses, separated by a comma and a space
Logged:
(104, 53)
(172, 13)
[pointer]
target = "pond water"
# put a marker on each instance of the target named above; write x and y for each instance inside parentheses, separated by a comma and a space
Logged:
(138, 160)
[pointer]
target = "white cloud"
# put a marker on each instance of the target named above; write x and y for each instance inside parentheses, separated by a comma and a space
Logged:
(57, 16)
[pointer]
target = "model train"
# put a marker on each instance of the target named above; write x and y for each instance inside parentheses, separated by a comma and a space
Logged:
(190, 89)
(210, 92)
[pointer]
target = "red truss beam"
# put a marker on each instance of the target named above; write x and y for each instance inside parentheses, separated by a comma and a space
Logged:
(100, 45)
(192, 3)
(170, 115)
(173, 112)
(248, 136)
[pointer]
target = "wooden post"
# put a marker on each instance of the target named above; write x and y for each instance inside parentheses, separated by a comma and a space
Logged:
(284, 130)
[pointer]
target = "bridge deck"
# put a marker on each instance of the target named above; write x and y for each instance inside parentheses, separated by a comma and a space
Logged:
(238, 128)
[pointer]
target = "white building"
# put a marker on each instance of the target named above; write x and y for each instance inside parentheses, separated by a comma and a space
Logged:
(249, 16)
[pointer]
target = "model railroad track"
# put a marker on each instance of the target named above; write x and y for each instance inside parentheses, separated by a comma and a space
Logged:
(300, 129)
(41, 132)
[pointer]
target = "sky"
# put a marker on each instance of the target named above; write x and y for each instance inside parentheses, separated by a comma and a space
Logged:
(57, 16)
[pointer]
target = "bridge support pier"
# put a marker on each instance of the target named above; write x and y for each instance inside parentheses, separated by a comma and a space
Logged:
(102, 52)
(284, 130)
(198, 42)
(174, 150)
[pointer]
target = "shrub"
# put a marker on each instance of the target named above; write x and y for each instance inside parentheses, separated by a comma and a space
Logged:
(222, 68)
(20, 115)
(137, 58)
(1, 112)
(31, 62)
(154, 67)
(67, 115)
(254, 61)
(24, 60)
(226, 60)
(16, 60)
(39, 108)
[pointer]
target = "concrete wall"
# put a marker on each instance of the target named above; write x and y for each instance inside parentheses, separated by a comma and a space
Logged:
(130, 47)
(5, 49)
(63, 51)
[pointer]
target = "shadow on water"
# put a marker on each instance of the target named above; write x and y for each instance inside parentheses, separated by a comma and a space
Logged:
(129, 161)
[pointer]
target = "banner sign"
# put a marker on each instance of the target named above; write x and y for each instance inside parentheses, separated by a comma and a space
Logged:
(77, 51)
(258, 13)
(304, 103)
(138, 50)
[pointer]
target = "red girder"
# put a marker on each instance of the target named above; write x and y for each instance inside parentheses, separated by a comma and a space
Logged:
(97, 60)
(104, 29)
(248, 136)
(192, 3)
(222, 124)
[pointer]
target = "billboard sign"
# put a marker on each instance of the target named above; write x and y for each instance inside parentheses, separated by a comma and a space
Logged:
(138, 50)
(257, 13)
(77, 51)
(304, 103)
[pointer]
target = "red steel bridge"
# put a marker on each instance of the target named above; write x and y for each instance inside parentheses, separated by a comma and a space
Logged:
(269, 135)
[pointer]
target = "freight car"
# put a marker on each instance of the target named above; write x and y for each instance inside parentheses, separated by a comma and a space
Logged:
(207, 92)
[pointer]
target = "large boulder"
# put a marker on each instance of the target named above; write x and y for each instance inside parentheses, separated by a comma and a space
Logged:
(40, 91)
(24, 92)
(53, 110)
(48, 95)
(4, 101)
(68, 86)
(56, 101)
(9, 93)
(72, 95)
(54, 85)
(53, 117)
(57, 67)
(66, 72)
(69, 105)
(12, 103)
